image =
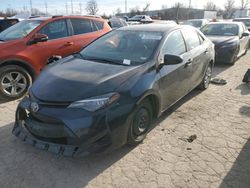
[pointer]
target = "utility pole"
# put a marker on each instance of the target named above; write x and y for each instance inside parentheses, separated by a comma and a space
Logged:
(80, 5)
(46, 7)
(190, 4)
(72, 8)
(31, 7)
(126, 6)
(67, 8)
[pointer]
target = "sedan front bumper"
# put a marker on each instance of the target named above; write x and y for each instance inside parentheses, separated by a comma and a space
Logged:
(225, 55)
(65, 131)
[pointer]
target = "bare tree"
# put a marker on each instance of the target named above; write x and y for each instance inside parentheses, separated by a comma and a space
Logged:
(210, 6)
(244, 4)
(92, 7)
(146, 7)
(118, 11)
(229, 8)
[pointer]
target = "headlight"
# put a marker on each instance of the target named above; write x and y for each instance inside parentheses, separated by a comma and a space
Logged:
(95, 103)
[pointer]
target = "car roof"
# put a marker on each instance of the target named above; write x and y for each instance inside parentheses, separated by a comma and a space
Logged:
(241, 19)
(71, 16)
(153, 27)
(221, 23)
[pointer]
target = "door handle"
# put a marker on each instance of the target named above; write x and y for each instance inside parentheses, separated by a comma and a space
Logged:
(68, 44)
(206, 51)
(189, 62)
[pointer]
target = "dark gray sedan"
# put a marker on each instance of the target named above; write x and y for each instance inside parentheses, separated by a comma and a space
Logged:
(109, 93)
(231, 40)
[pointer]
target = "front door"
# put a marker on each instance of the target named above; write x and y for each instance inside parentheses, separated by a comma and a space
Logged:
(174, 79)
(59, 43)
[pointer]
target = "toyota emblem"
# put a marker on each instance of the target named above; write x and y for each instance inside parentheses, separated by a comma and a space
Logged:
(34, 107)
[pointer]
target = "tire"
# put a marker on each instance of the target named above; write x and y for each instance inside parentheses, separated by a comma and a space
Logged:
(14, 82)
(143, 114)
(207, 78)
(235, 58)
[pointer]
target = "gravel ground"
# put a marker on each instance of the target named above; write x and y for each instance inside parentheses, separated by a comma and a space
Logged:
(219, 157)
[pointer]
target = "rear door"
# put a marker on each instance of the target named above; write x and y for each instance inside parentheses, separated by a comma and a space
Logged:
(84, 32)
(59, 43)
(198, 49)
(174, 79)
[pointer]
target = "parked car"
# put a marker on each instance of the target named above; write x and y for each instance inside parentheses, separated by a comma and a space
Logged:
(109, 93)
(140, 18)
(116, 22)
(6, 23)
(246, 21)
(198, 23)
(231, 40)
(27, 46)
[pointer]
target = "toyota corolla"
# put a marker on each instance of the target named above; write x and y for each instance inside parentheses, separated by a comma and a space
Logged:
(108, 94)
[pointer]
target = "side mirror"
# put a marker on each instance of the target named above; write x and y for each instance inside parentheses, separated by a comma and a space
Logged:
(245, 34)
(172, 59)
(39, 38)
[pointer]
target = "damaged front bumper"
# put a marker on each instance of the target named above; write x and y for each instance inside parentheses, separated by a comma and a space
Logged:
(63, 131)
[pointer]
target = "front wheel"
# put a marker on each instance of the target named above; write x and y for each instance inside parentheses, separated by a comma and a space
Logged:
(14, 82)
(141, 122)
(207, 78)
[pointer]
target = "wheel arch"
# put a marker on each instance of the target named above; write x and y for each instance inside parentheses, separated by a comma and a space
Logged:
(154, 101)
(22, 64)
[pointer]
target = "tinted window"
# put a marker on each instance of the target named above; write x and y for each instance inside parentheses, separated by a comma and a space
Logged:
(221, 29)
(4, 24)
(55, 30)
(245, 21)
(192, 38)
(99, 25)
(81, 26)
(175, 44)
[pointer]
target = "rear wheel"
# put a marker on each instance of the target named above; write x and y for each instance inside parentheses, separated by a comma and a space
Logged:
(14, 82)
(207, 78)
(141, 122)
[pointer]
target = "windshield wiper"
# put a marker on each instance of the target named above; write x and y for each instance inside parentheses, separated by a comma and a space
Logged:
(2, 40)
(100, 60)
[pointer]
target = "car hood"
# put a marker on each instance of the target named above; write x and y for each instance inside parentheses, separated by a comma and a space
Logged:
(220, 40)
(72, 79)
(9, 44)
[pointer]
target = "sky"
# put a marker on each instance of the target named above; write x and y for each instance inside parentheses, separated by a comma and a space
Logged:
(105, 6)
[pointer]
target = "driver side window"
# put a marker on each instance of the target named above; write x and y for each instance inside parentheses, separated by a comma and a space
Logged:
(55, 30)
(174, 44)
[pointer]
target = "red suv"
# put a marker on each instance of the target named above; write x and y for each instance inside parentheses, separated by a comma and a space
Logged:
(26, 47)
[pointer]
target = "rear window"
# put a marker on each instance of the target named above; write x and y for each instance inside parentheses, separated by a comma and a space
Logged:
(81, 26)
(4, 24)
(245, 21)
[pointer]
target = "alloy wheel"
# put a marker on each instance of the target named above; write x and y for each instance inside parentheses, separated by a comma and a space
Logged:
(13, 84)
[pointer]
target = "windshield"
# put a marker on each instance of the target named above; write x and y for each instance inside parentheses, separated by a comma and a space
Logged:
(195, 23)
(19, 30)
(221, 29)
(123, 47)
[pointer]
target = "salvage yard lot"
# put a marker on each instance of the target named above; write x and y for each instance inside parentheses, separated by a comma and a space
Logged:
(220, 156)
